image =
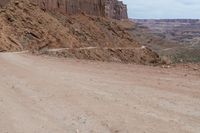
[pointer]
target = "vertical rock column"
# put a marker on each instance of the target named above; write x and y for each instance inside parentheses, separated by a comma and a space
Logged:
(106, 8)
(115, 9)
(3, 2)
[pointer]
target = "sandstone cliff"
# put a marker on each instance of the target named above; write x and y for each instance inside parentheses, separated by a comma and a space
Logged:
(3, 2)
(107, 8)
(115, 9)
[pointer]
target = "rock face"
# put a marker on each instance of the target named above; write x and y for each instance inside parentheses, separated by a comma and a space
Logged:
(115, 9)
(106, 8)
(3, 2)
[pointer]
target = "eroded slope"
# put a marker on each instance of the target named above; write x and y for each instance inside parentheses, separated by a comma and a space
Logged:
(24, 26)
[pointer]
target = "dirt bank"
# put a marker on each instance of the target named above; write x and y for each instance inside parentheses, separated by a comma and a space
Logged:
(122, 55)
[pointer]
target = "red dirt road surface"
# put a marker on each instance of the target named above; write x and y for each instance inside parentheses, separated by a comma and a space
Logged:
(40, 94)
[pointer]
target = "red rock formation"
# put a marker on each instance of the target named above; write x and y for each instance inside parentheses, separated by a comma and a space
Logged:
(116, 9)
(3, 2)
(106, 8)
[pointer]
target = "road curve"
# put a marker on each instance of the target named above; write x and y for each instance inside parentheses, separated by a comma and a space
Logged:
(40, 94)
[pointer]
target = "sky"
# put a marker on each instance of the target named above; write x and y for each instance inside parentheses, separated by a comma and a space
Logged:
(163, 9)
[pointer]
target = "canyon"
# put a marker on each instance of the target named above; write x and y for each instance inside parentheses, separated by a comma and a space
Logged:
(177, 38)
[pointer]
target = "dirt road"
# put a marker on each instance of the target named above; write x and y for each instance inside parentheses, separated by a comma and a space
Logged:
(50, 95)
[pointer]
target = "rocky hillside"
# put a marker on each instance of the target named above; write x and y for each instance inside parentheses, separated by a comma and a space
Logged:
(24, 26)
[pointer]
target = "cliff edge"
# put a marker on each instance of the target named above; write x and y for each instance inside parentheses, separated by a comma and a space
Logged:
(106, 8)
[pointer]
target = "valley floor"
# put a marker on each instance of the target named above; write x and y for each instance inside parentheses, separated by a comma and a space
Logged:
(40, 94)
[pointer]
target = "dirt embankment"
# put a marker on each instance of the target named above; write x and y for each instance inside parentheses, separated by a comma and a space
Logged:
(123, 55)
(24, 26)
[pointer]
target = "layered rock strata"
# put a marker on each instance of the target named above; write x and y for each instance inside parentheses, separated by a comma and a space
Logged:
(106, 8)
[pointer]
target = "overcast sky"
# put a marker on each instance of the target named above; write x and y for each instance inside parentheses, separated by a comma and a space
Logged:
(163, 8)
